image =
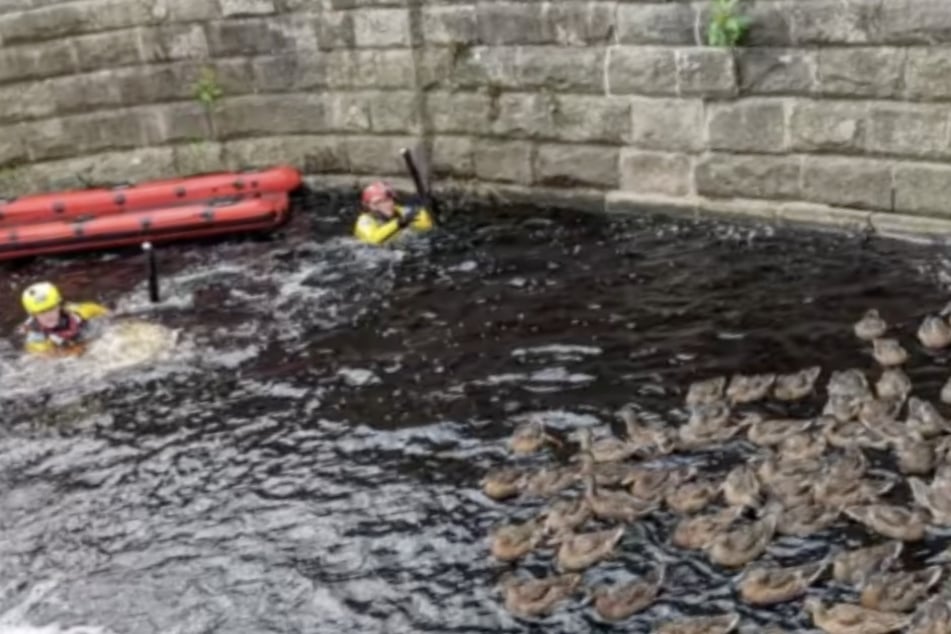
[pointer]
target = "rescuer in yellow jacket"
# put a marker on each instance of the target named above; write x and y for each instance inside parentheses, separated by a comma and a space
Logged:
(55, 327)
(382, 219)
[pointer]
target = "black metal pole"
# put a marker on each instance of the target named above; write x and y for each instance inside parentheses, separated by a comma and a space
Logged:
(153, 272)
(421, 189)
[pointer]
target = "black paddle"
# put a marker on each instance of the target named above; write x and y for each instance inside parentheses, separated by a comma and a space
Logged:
(423, 192)
(153, 272)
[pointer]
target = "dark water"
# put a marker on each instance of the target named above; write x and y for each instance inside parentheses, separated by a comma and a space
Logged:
(309, 460)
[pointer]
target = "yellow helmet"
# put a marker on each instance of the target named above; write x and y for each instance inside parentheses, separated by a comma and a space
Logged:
(41, 297)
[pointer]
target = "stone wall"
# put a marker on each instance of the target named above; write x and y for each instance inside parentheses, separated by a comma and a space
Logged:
(833, 110)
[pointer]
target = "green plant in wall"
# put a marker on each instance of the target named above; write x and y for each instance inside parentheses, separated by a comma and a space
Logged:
(727, 25)
(208, 92)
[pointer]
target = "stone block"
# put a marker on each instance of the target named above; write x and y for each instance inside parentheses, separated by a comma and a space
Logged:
(453, 157)
(199, 157)
(738, 176)
(860, 72)
(29, 100)
(503, 161)
(72, 136)
(512, 23)
(265, 115)
(169, 43)
(287, 73)
(310, 154)
(752, 125)
(482, 66)
(670, 24)
(912, 130)
(561, 69)
(923, 189)
(381, 28)
(706, 72)
(576, 165)
(581, 23)
(250, 36)
(335, 30)
(12, 148)
(827, 126)
(905, 22)
(642, 70)
(176, 123)
(671, 125)
(847, 182)
(378, 155)
(775, 71)
(239, 8)
(450, 25)
(459, 112)
(434, 67)
(524, 115)
(348, 112)
(107, 50)
(73, 18)
(928, 73)
(184, 11)
(394, 111)
(827, 22)
(104, 169)
(771, 24)
(655, 173)
(35, 62)
(370, 68)
(582, 119)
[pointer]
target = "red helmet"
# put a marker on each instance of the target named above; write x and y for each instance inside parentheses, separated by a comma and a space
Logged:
(375, 191)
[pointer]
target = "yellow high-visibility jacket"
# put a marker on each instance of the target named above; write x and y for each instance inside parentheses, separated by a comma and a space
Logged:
(373, 229)
(67, 339)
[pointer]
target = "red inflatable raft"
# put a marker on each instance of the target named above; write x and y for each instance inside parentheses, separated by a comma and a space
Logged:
(155, 211)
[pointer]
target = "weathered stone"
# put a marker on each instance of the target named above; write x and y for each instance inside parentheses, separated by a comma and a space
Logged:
(184, 11)
(928, 73)
(270, 115)
(827, 126)
(775, 71)
(370, 68)
(73, 18)
(770, 24)
(172, 42)
(335, 30)
(122, 87)
(358, 4)
(394, 111)
(512, 23)
(450, 25)
(459, 112)
(106, 50)
(486, 66)
(234, 8)
(561, 69)
(29, 100)
(434, 67)
(673, 125)
(827, 22)
(642, 70)
(906, 21)
(250, 36)
(670, 24)
(287, 73)
(923, 189)
(378, 155)
(524, 115)
(591, 119)
(847, 182)
(918, 131)
(736, 176)
(824, 216)
(12, 149)
(69, 136)
(310, 154)
(705, 72)
(655, 173)
(453, 156)
(199, 157)
(381, 28)
(581, 23)
(754, 125)
(348, 112)
(503, 161)
(231, 76)
(35, 62)
(570, 165)
(176, 123)
(105, 169)
(918, 229)
(854, 72)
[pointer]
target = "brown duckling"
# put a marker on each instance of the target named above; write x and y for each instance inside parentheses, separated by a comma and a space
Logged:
(843, 435)
(691, 533)
(749, 388)
(738, 546)
(803, 446)
(850, 464)
(578, 551)
(870, 326)
(935, 497)
(792, 492)
(915, 455)
(852, 383)
(877, 412)
(893, 385)
(805, 519)
(898, 591)
(847, 618)
(503, 483)
(527, 598)
(549, 481)
(608, 449)
(934, 332)
(741, 487)
(763, 585)
(932, 617)
(706, 391)
(719, 624)
(608, 474)
(616, 505)
(945, 396)
(792, 387)
(924, 418)
(653, 484)
(894, 522)
(651, 439)
(837, 494)
(710, 415)
(853, 566)
(514, 541)
(842, 408)
(888, 352)
(565, 515)
(774, 431)
(616, 603)
(531, 437)
(691, 497)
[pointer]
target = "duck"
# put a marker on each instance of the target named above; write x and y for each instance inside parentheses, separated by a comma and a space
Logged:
(654, 440)
(838, 494)
(616, 603)
(764, 585)
(710, 415)
(847, 618)
(870, 326)
(934, 332)
(503, 483)
(932, 617)
(888, 352)
(915, 456)
(691, 497)
(565, 515)
(772, 469)
(889, 520)
(691, 533)
(805, 519)
(851, 382)
(775, 430)
(792, 492)
(533, 597)
(609, 449)
(741, 487)
(749, 388)
(530, 437)
(736, 547)
(936, 498)
(577, 551)
(850, 464)
(945, 395)
(853, 566)
(924, 418)
(718, 624)
(803, 446)
(843, 435)
(616, 505)
(513, 541)
(706, 391)
(549, 481)
(708, 425)
(893, 385)
(876, 412)
(792, 387)
(653, 484)
(841, 407)
(898, 591)
(609, 473)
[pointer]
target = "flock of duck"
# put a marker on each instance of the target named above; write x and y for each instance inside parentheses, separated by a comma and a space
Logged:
(805, 476)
